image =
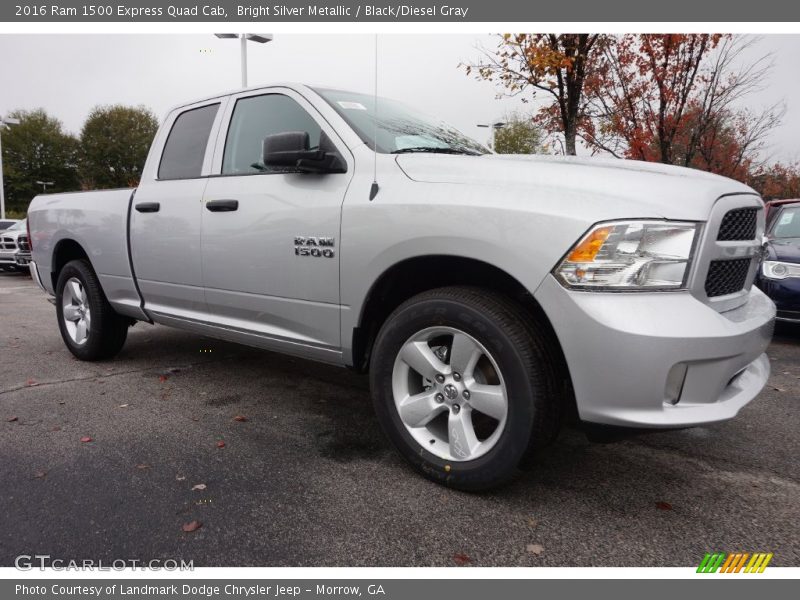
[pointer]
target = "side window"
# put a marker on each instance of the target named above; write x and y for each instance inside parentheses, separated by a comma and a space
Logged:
(186, 145)
(255, 118)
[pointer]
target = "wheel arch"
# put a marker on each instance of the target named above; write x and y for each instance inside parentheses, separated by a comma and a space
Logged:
(418, 274)
(66, 250)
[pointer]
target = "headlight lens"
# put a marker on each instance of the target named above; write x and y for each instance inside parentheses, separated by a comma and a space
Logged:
(631, 255)
(772, 269)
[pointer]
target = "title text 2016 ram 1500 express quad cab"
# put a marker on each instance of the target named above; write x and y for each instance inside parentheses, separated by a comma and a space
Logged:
(488, 296)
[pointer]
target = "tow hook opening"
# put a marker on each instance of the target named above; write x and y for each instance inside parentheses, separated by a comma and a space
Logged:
(675, 381)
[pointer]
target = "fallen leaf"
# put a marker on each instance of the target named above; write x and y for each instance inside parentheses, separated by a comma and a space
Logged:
(461, 559)
(199, 486)
(195, 418)
(31, 382)
(532, 522)
(12, 419)
(55, 428)
(86, 439)
(663, 506)
(163, 378)
(536, 549)
(192, 526)
(220, 444)
(240, 418)
(180, 477)
(124, 405)
(143, 466)
(40, 475)
(777, 389)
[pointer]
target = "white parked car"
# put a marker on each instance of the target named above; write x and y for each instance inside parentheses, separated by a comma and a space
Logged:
(15, 252)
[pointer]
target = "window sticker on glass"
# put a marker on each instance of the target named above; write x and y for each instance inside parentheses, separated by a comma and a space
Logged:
(351, 105)
(787, 217)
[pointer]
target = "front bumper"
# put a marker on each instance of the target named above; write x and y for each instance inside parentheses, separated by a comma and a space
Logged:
(621, 349)
(22, 259)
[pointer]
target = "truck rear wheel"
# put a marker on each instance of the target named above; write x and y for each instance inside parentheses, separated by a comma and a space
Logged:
(89, 326)
(464, 386)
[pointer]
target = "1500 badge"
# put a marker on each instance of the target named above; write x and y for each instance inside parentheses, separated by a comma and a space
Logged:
(314, 246)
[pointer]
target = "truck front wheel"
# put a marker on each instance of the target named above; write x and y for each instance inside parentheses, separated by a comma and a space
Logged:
(89, 326)
(464, 385)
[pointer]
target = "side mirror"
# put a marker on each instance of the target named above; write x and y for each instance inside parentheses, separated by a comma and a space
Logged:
(289, 151)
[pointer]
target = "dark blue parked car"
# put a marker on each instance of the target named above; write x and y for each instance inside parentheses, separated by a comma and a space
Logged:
(779, 276)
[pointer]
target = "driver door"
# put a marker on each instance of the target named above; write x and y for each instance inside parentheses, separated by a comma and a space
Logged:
(256, 282)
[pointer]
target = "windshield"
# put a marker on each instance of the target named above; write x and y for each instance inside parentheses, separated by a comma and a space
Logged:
(399, 127)
(16, 226)
(788, 223)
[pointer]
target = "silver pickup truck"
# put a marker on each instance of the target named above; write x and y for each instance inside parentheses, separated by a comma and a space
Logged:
(490, 297)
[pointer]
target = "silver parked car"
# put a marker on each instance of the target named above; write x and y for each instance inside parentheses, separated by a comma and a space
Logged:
(10, 257)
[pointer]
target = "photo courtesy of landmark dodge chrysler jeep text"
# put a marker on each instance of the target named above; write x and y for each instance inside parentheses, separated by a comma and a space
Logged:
(489, 297)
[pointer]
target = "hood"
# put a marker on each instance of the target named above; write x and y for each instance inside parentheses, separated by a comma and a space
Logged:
(12, 234)
(647, 189)
(784, 249)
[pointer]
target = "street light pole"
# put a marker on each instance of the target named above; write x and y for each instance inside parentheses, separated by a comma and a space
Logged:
(44, 185)
(3, 122)
(260, 38)
(243, 45)
(494, 127)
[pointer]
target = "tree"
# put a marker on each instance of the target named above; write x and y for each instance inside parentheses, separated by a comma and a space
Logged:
(777, 181)
(672, 98)
(115, 141)
(558, 66)
(38, 149)
(519, 136)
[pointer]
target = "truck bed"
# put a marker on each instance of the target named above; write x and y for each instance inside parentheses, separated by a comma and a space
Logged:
(98, 221)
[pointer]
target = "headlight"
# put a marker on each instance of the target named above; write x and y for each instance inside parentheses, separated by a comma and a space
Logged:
(631, 255)
(772, 269)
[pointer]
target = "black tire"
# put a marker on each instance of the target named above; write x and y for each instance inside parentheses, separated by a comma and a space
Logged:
(524, 355)
(108, 330)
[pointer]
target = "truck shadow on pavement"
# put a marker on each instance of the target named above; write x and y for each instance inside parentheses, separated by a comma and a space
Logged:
(332, 412)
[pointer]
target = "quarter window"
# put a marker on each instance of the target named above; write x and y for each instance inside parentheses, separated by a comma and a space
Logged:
(186, 145)
(255, 118)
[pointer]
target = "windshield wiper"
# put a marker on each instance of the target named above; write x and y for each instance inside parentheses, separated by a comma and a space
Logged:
(435, 150)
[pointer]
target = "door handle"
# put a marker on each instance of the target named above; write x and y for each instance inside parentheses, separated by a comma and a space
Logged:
(222, 205)
(148, 207)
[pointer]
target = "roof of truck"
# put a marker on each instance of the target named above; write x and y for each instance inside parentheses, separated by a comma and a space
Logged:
(294, 85)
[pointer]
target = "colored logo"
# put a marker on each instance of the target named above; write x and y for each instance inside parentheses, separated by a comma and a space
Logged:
(737, 562)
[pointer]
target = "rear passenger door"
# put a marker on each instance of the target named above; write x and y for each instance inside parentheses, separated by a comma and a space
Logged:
(255, 279)
(166, 214)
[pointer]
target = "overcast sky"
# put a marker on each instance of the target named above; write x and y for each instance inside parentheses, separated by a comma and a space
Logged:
(69, 74)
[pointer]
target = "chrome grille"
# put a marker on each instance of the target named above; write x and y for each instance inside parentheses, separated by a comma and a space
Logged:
(8, 243)
(738, 225)
(727, 276)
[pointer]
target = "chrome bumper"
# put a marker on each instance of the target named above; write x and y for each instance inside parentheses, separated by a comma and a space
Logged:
(37, 278)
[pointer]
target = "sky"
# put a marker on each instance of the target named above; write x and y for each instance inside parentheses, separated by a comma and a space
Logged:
(70, 74)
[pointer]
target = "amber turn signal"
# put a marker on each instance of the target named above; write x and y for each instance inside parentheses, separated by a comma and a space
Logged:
(590, 246)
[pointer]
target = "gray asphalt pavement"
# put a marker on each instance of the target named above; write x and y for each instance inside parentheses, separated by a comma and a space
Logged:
(308, 479)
